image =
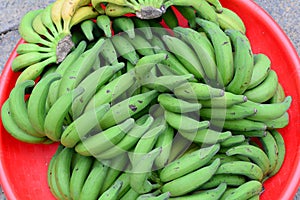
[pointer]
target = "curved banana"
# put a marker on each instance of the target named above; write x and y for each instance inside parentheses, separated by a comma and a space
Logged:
(242, 62)
(206, 136)
(230, 180)
(113, 192)
(37, 101)
(31, 47)
(271, 149)
(63, 171)
(126, 108)
(225, 101)
(223, 50)
(91, 85)
(261, 69)
(246, 190)
(79, 174)
(40, 28)
(130, 139)
(27, 32)
(103, 140)
(176, 105)
(18, 107)
(104, 23)
(185, 123)
(245, 168)
(191, 181)
(54, 119)
(94, 181)
(124, 24)
(257, 155)
(144, 27)
(84, 13)
(47, 20)
(265, 90)
(14, 130)
(230, 20)
(188, 163)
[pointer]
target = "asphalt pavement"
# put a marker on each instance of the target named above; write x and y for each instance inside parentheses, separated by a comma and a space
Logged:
(285, 12)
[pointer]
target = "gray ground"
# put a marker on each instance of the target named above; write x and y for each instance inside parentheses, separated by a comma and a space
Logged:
(285, 12)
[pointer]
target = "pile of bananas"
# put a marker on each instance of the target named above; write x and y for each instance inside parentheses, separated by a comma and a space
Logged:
(144, 107)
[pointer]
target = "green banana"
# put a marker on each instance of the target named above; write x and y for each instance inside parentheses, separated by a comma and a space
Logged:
(164, 141)
(47, 20)
(40, 28)
(53, 125)
(261, 69)
(223, 49)
(130, 194)
(81, 126)
(165, 83)
(31, 47)
(229, 179)
(87, 28)
(28, 33)
(126, 108)
(271, 149)
(185, 123)
(63, 171)
(94, 181)
(268, 111)
(147, 142)
(279, 95)
(143, 26)
(209, 194)
(281, 151)
(37, 101)
(24, 60)
(246, 190)
(185, 54)
(124, 24)
(105, 139)
(257, 155)
(227, 100)
(265, 90)
(203, 50)
(114, 10)
(62, 67)
(104, 23)
(81, 68)
(206, 136)
(250, 133)
(111, 91)
(278, 123)
(197, 91)
(113, 192)
(18, 107)
(173, 104)
(232, 141)
(130, 139)
(243, 62)
(109, 52)
(117, 166)
(188, 163)
(191, 181)
(13, 128)
(180, 147)
(79, 174)
(141, 44)
(154, 196)
(232, 113)
(51, 174)
(125, 49)
(248, 169)
(217, 4)
(91, 84)
(141, 170)
(32, 72)
(240, 125)
(228, 19)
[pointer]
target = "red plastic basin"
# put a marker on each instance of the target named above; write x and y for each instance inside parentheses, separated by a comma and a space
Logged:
(23, 167)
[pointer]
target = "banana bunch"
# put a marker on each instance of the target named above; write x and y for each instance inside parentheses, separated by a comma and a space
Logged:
(143, 107)
(47, 33)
